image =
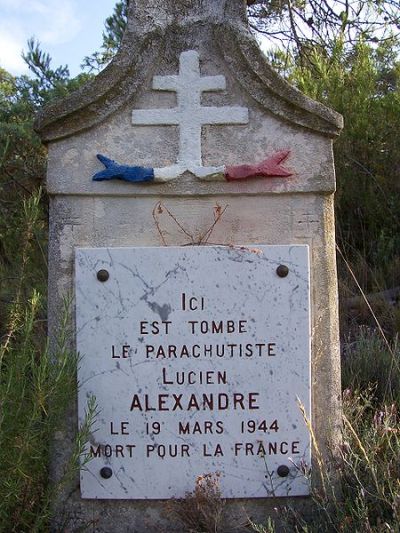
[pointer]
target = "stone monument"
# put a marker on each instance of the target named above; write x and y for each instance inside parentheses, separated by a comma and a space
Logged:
(191, 215)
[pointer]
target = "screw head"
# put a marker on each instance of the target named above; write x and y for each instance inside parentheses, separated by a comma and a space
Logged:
(283, 471)
(103, 275)
(106, 472)
(282, 271)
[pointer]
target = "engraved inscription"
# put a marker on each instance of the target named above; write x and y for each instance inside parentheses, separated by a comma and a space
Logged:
(215, 386)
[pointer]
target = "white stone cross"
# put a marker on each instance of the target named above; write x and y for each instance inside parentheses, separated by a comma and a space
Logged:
(189, 115)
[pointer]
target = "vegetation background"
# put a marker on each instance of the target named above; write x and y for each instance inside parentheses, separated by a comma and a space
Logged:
(342, 53)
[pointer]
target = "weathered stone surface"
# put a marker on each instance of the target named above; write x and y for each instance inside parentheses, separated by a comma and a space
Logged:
(73, 162)
(278, 219)
(156, 32)
(294, 210)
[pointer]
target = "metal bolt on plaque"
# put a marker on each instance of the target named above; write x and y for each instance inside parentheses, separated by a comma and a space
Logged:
(283, 471)
(282, 271)
(106, 472)
(103, 275)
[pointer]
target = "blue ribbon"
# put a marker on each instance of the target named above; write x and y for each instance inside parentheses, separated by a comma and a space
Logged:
(122, 172)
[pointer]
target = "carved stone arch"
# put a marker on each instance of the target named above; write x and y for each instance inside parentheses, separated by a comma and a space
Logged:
(153, 25)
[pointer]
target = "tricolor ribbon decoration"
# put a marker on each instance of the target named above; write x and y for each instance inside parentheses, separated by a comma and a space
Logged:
(268, 168)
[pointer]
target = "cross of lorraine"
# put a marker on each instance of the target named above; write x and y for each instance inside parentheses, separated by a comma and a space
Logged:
(189, 115)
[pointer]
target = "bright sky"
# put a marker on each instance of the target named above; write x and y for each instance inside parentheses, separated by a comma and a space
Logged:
(68, 30)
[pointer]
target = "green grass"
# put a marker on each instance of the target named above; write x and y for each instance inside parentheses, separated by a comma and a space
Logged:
(36, 387)
(369, 458)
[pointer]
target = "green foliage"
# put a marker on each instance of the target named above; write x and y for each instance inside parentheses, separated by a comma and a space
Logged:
(35, 389)
(48, 83)
(21, 154)
(112, 36)
(363, 85)
(22, 165)
(369, 363)
(33, 393)
(40, 64)
(301, 25)
(115, 25)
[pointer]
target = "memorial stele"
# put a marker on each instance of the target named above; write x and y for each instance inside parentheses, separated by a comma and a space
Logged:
(191, 217)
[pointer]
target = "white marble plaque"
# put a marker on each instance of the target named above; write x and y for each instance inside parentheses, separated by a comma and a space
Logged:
(198, 358)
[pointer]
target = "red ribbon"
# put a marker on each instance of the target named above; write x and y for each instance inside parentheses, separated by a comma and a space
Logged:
(268, 168)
